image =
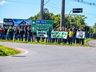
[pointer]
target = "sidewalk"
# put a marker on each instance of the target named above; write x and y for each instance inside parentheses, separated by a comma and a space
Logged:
(92, 43)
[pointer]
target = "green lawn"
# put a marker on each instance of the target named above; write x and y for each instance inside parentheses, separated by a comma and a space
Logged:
(5, 51)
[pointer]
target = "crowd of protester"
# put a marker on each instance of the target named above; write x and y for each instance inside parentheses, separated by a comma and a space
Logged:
(25, 34)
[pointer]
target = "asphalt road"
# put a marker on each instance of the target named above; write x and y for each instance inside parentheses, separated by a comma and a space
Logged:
(45, 58)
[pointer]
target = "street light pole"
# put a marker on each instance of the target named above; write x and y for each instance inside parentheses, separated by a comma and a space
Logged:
(62, 18)
(42, 10)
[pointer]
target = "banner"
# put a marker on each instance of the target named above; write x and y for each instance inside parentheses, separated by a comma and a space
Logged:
(16, 22)
(80, 34)
(57, 34)
(42, 34)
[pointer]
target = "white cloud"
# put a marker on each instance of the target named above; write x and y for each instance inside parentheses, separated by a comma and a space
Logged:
(2, 2)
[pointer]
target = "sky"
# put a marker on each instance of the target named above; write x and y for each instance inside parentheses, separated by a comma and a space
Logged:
(23, 9)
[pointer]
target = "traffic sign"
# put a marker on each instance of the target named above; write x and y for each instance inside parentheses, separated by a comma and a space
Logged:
(42, 34)
(41, 25)
(77, 10)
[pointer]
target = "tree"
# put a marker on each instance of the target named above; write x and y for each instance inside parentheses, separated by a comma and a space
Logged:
(91, 30)
(36, 17)
(75, 21)
(56, 19)
(46, 15)
(94, 27)
(70, 20)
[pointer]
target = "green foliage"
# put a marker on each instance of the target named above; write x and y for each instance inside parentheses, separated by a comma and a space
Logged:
(94, 27)
(70, 20)
(35, 17)
(75, 21)
(5, 51)
(91, 30)
(56, 19)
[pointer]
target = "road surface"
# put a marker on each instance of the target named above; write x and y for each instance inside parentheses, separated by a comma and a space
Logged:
(45, 58)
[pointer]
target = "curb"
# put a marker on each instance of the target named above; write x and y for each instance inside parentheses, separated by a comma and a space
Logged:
(22, 51)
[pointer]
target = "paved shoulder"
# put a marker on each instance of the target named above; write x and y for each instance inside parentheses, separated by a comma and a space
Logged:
(92, 43)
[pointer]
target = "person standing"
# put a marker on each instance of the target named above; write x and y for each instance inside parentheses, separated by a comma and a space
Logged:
(1, 31)
(29, 34)
(21, 33)
(70, 36)
(10, 33)
(65, 40)
(26, 33)
(82, 34)
(4, 34)
(16, 33)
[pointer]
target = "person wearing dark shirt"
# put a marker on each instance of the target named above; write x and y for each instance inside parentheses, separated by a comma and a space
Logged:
(10, 33)
(1, 31)
(26, 33)
(29, 35)
(16, 33)
(4, 34)
(21, 34)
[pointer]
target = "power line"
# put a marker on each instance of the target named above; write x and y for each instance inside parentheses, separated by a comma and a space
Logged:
(85, 2)
(47, 2)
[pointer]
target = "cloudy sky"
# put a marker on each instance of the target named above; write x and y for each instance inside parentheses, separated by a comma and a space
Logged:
(2, 2)
(26, 8)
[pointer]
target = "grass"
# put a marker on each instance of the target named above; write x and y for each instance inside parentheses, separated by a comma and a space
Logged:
(55, 43)
(5, 51)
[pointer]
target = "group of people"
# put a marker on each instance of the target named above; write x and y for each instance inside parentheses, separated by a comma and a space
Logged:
(25, 34)
(21, 33)
(71, 36)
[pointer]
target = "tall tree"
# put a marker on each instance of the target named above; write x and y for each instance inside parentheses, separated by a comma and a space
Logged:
(94, 27)
(70, 21)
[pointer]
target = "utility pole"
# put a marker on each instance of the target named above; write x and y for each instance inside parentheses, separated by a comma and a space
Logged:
(42, 10)
(62, 18)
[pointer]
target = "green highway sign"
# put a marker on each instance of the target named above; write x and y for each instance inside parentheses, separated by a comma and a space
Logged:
(41, 25)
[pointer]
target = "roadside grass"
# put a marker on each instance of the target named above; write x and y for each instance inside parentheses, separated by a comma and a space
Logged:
(6, 51)
(50, 43)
